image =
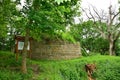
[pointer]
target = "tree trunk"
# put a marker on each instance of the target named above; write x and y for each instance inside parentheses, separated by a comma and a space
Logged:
(24, 54)
(111, 47)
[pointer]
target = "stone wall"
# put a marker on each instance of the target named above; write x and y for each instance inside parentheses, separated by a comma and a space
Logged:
(55, 50)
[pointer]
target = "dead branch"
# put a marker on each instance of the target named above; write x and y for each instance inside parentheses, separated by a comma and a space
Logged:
(92, 15)
(85, 13)
(114, 17)
(96, 12)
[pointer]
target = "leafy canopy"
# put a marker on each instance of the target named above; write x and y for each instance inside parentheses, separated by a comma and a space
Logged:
(46, 18)
(61, 1)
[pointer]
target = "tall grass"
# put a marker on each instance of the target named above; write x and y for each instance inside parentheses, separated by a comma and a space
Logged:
(10, 68)
(108, 68)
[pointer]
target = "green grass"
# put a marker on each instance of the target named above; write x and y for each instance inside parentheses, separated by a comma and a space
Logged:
(108, 68)
(10, 68)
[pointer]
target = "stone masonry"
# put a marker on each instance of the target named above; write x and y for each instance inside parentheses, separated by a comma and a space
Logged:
(54, 50)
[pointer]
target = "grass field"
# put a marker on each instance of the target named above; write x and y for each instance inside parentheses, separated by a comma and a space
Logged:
(108, 68)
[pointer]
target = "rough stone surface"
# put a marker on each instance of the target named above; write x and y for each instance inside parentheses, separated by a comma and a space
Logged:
(55, 50)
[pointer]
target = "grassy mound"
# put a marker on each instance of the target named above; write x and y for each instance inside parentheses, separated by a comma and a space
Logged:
(108, 68)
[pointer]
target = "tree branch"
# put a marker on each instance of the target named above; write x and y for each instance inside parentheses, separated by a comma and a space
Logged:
(85, 13)
(91, 15)
(117, 36)
(101, 32)
(95, 10)
(114, 17)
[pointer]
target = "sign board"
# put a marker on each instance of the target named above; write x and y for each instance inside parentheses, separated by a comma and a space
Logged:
(21, 45)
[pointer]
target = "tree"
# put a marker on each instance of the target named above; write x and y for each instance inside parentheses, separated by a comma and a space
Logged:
(89, 38)
(7, 10)
(107, 25)
(45, 19)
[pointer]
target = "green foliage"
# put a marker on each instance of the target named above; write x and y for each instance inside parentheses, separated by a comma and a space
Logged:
(13, 75)
(52, 17)
(6, 43)
(47, 17)
(96, 45)
(3, 30)
(89, 38)
(107, 68)
(68, 37)
(75, 70)
(42, 17)
(117, 48)
(83, 31)
(7, 8)
(7, 59)
(61, 1)
(10, 68)
(7, 11)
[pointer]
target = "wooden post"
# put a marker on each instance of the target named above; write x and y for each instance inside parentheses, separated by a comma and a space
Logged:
(17, 51)
(30, 48)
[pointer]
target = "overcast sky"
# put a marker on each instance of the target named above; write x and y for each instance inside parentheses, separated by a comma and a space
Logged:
(99, 4)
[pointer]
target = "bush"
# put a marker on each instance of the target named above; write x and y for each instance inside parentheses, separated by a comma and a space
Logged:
(12, 75)
(108, 70)
(98, 45)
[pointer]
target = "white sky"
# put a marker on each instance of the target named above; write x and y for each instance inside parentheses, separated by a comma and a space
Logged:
(99, 4)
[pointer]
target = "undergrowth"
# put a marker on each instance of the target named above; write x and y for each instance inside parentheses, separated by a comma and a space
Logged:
(10, 68)
(108, 68)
